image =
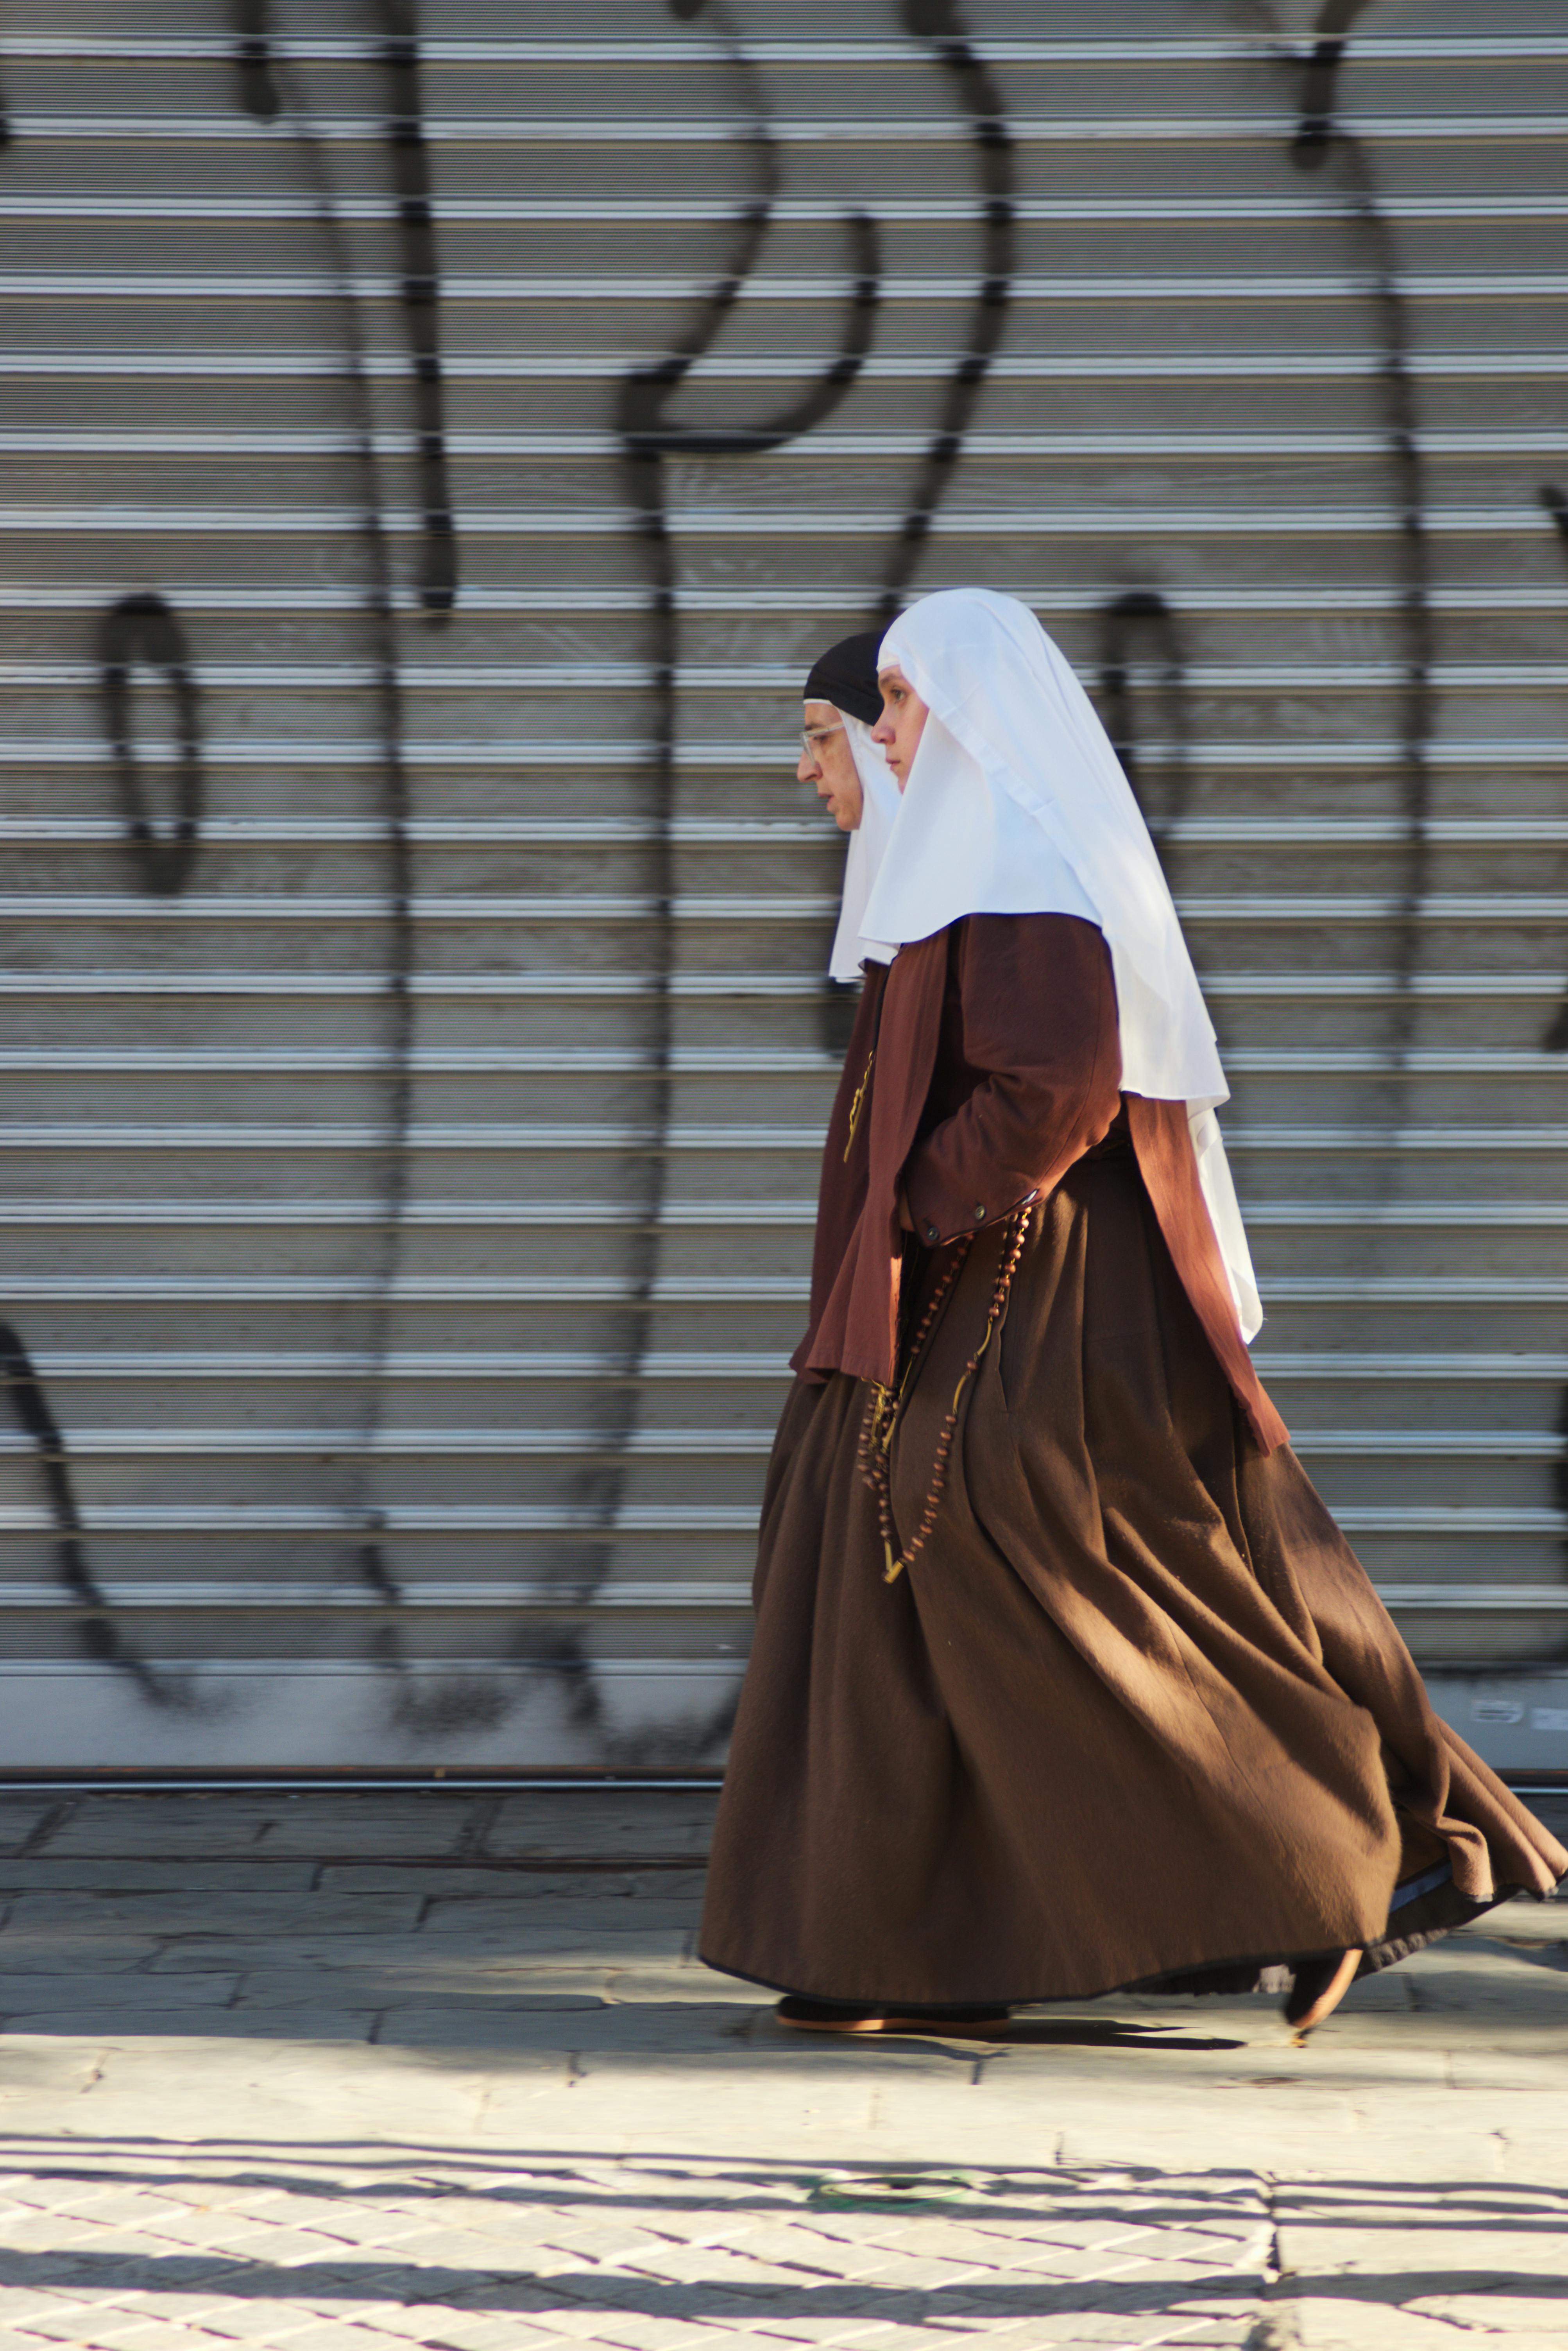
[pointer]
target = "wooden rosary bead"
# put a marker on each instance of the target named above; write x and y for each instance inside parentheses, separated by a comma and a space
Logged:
(872, 1455)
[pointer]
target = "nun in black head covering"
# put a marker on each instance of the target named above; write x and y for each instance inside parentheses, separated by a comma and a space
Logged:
(843, 703)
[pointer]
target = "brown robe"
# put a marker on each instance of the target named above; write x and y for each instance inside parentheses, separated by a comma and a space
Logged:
(1135, 1713)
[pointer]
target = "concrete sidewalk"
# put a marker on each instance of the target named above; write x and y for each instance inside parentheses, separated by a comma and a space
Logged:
(345, 2071)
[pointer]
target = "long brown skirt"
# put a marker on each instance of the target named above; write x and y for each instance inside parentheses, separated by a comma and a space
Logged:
(1135, 1714)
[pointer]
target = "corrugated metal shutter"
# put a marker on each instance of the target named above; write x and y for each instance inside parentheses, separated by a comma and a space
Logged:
(434, 453)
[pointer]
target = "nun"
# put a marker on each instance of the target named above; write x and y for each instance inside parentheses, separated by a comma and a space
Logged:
(1063, 1679)
(842, 705)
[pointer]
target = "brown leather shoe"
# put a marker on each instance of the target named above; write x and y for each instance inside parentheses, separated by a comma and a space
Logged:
(1319, 1986)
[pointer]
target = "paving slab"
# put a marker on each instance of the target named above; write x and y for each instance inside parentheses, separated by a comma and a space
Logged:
(355, 2070)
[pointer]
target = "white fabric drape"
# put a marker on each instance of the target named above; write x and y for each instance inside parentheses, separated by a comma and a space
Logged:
(879, 806)
(1015, 804)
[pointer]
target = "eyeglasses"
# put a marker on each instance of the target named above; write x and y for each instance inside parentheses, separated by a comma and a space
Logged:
(812, 735)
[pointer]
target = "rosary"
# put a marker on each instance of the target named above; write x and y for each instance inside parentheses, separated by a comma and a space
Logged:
(885, 1402)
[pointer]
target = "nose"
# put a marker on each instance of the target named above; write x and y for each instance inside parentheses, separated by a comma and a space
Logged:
(805, 768)
(883, 731)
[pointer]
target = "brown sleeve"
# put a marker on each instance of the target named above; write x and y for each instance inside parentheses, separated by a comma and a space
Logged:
(842, 1189)
(1038, 1004)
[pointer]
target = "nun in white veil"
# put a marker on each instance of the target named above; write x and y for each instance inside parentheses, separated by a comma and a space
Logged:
(1063, 1679)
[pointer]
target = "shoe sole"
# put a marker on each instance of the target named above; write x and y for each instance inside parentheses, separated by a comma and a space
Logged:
(871, 2027)
(1327, 2001)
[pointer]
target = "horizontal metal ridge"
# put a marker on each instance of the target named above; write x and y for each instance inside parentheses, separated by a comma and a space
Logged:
(392, 1443)
(1365, 1141)
(423, 1289)
(124, 287)
(1461, 1519)
(785, 366)
(325, 677)
(697, 985)
(660, 1597)
(1411, 1061)
(1396, 1216)
(1313, 1367)
(304, 1061)
(234, 1134)
(703, 985)
(824, 51)
(430, 1674)
(453, 1060)
(321, 907)
(643, 127)
(197, 596)
(882, 445)
(1433, 985)
(612, 1597)
(241, 832)
(722, 1366)
(1391, 1141)
(1415, 1290)
(777, 758)
(309, 1212)
(683, 1289)
(454, 1520)
(313, 907)
(1438, 1444)
(1258, 519)
(1245, 210)
(399, 1443)
(1483, 831)
(1479, 1600)
(1452, 1364)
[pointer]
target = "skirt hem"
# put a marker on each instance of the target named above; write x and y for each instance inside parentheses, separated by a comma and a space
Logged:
(1269, 1972)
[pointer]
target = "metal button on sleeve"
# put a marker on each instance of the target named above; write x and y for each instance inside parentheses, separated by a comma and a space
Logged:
(980, 1214)
(932, 1234)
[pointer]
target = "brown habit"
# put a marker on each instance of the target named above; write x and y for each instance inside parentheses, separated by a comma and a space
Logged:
(1134, 1712)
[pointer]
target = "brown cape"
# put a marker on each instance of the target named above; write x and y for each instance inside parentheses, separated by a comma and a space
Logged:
(1135, 1714)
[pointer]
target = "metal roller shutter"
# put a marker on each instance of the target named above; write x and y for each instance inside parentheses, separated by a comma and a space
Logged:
(433, 453)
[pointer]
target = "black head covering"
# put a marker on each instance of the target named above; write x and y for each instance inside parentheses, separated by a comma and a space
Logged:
(846, 676)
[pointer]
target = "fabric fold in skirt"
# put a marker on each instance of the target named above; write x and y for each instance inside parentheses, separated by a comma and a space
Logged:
(1133, 1716)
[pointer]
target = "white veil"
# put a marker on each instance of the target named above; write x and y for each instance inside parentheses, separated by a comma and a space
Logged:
(879, 806)
(1016, 803)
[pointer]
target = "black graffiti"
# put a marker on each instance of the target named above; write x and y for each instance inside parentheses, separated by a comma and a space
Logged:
(93, 1617)
(258, 93)
(1142, 662)
(1316, 129)
(1555, 501)
(419, 282)
(290, 111)
(649, 437)
(141, 632)
(419, 288)
(1138, 630)
(1319, 141)
(939, 23)
(30, 1406)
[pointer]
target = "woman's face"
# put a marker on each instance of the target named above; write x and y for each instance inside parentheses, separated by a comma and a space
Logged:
(826, 761)
(901, 722)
